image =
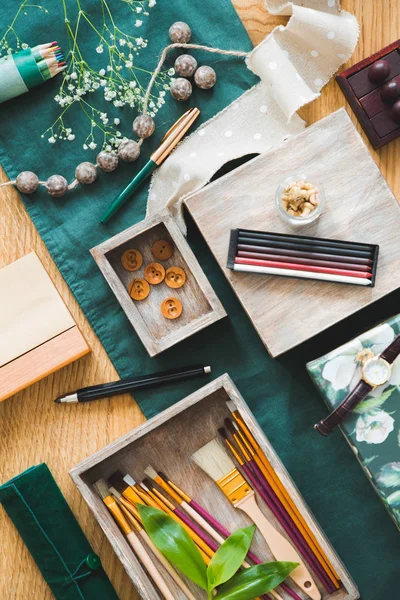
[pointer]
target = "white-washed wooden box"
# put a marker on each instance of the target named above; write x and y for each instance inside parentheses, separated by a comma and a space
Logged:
(166, 442)
(201, 306)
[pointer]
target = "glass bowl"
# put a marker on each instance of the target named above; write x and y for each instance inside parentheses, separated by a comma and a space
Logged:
(293, 220)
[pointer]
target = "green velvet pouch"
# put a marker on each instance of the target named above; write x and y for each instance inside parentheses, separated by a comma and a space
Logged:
(54, 537)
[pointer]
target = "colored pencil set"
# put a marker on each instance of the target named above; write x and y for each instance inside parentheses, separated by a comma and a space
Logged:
(252, 473)
(302, 257)
(24, 70)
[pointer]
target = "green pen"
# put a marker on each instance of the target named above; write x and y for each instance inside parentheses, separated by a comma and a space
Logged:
(168, 143)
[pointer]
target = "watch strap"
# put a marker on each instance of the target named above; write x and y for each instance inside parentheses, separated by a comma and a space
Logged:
(392, 351)
(361, 390)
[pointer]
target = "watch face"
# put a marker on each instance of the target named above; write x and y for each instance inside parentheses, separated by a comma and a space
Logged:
(376, 371)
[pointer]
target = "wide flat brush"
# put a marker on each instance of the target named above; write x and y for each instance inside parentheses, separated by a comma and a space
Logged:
(281, 491)
(214, 460)
(136, 544)
(254, 475)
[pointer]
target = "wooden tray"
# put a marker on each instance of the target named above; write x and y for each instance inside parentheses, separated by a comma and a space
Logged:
(359, 207)
(201, 306)
(166, 442)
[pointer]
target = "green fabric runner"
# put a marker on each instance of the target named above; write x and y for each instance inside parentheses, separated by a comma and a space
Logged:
(278, 391)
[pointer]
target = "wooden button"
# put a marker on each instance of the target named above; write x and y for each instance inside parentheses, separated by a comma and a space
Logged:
(131, 259)
(154, 273)
(175, 277)
(171, 308)
(138, 289)
(162, 249)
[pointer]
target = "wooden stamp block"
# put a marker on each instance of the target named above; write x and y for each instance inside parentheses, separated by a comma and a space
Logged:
(157, 328)
(364, 98)
(38, 334)
(167, 442)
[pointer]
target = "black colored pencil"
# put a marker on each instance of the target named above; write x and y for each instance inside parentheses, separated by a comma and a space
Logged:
(312, 248)
(105, 390)
(303, 240)
(303, 254)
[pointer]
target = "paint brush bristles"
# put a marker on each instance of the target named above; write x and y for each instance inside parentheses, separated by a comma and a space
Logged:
(214, 460)
(102, 488)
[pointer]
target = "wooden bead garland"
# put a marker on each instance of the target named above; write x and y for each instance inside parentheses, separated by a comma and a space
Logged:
(205, 77)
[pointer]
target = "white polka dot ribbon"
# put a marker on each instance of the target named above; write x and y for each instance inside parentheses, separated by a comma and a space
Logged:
(293, 63)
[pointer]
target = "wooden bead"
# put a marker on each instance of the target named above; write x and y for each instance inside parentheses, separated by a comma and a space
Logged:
(396, 112)
(185, 65)
(175, 277)
(181, 89)
(27, 182)
(390, 92)
(162, 249)
(171, 308)
(379, 71)
(154, 273)
(86, 173)
(129, 150)
(205, 77)
(56, 186)
(107, 161)
(144, 126)
(180, 33)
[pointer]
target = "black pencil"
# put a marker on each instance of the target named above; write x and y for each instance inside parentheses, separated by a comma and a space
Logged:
(303, 240)
(303, 254)
(311, 248)
(105, 390)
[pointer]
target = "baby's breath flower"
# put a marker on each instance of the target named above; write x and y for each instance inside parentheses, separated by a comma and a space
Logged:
(100, 49)
(92, 145)
(71, 137)
(52, 140)
(102, 72)
(74, 75)
(117, 121)
(171, 72)
(138, 23)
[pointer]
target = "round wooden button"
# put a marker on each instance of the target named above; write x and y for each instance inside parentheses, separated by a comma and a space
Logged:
(138, 289)
(154, 273)
(171, 308)
(175, 277)
(162, 249)
(131, 259)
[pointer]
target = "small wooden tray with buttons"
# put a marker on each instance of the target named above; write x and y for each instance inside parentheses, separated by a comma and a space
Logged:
(158, 282)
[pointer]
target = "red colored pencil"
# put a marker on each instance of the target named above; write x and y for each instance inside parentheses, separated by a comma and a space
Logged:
(305, 261)
(303, 254)
(299, 267)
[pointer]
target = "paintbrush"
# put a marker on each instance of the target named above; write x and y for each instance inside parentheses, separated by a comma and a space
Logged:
(280, 490)
(247, 451)
(132, 516)
(132, 538)
(254, 475)
(214, 460)
(117, 480)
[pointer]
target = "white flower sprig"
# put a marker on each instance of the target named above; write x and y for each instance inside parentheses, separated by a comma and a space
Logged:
(118, 82)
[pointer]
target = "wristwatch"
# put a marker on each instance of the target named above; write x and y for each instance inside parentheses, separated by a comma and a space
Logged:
(376, 371)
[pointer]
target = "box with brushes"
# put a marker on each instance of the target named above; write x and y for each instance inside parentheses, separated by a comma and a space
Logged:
(158, 282)
(206, 462)
(303, 257)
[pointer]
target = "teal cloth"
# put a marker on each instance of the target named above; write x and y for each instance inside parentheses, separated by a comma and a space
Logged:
(53, 536)
(279, 392)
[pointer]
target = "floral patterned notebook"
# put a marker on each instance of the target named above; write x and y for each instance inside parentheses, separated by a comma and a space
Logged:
(373, 429)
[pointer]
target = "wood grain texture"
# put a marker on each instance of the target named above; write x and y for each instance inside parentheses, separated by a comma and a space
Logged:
(42, 361)
(352, 197)
(32, 429)
(201, 306)
(179, 432)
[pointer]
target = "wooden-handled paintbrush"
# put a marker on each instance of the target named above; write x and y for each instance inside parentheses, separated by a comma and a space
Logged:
(280, 490)
(254, 476)
(136, 544)
(214, 460)
(132, 516)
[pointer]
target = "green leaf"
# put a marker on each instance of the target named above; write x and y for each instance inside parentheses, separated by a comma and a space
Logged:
(229, 556)
(370, 404)
(255, 581)
(176, 545)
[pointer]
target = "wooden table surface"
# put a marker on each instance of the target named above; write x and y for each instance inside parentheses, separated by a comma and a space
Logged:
(32, 429)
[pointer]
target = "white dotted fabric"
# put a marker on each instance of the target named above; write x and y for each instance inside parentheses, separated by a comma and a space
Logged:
(293, 63)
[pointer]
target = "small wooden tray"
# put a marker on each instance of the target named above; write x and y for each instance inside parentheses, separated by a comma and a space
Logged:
(166, 442)
(201, 306)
